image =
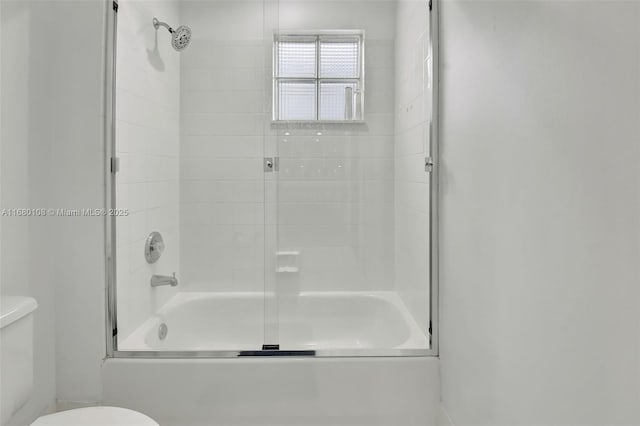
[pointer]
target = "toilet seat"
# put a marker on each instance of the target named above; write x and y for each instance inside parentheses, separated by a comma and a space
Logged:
(96, 416)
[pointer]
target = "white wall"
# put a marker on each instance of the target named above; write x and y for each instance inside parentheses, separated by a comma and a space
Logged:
(148, 145)
(27, 141)
(78, 179)
(1, 146)
(52, 157)
(411, 190)
(540, 213)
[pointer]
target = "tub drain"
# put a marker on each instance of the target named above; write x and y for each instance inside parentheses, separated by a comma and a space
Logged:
(162, 331)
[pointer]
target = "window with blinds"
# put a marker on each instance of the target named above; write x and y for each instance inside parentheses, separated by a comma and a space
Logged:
(318, 77)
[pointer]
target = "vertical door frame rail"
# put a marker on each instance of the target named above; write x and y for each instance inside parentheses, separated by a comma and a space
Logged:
(434, 173)
(111, 168)
(110, 165)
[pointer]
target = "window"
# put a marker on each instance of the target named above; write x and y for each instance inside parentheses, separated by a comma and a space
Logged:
(318, 77)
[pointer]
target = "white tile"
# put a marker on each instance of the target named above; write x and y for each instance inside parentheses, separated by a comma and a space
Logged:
(221, 146)
(222, 101)
(222, 124)
(218, 169)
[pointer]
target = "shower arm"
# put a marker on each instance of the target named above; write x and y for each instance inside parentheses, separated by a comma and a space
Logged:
(157, 24)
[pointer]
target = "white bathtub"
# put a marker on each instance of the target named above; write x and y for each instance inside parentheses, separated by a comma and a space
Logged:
(319, 321)
(279, 391)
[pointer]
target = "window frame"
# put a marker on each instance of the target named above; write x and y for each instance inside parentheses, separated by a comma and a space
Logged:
(317, 36)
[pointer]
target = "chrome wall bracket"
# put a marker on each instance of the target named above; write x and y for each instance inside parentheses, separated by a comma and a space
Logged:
(271, 164)
(268, 164)
(115, 164)
(428, 164)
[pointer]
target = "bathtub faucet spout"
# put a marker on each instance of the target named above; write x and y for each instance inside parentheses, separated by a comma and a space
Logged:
(160, 280)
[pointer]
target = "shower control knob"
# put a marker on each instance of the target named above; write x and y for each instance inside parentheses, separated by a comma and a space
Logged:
(153, 247)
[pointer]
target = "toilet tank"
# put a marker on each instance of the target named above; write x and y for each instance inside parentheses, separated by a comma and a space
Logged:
(16, 353)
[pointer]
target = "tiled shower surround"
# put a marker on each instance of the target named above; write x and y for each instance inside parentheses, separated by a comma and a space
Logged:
(198, 124)
(147, 143)
(333, 201)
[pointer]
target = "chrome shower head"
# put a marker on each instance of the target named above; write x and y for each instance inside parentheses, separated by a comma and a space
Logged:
(180, 37)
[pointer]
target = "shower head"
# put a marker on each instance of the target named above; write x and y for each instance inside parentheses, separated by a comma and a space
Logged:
(180, 37)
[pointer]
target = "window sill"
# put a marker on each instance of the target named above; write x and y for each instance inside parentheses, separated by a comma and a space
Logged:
(307, 122)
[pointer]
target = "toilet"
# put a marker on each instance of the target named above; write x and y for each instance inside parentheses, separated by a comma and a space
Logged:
(96, 416)
(16, 377)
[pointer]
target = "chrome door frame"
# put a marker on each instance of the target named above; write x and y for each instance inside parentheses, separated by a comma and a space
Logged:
(110, 164)
(434, 181)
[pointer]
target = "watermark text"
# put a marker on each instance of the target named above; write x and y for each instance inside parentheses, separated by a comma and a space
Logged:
(61, 212)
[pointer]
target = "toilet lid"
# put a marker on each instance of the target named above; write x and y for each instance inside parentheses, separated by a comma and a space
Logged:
(96, 416)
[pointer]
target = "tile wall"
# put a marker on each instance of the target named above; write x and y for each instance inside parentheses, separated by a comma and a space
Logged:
(411, 189)
(147, 143)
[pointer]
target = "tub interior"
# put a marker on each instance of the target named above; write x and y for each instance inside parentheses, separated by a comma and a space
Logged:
(308, 321)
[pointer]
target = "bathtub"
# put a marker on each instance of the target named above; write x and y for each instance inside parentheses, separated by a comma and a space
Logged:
(319, 390)
(328, 322)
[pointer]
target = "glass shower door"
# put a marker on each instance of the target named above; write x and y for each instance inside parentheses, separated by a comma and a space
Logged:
(190, 132)
(286, 164)
(351, 122)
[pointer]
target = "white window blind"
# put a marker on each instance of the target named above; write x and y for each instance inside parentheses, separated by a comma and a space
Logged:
(297, 59)
(339, 59)
(335, 100)
(297, 100)
(318, 77)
